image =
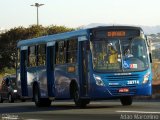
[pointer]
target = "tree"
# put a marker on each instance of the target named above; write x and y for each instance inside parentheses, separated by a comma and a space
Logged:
(8, 41)
(57, 29)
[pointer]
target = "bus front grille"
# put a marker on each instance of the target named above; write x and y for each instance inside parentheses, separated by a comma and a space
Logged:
(121, 82)
(121, 77)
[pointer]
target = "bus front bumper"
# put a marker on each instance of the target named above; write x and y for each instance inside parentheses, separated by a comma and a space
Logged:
(102, 92)
(144, 90)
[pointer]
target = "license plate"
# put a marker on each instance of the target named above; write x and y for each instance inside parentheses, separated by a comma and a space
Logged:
(122, 90)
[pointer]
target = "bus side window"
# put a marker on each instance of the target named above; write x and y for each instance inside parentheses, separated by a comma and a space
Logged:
(71, 52)
(32, 56)
(60, 52)
(41, 54)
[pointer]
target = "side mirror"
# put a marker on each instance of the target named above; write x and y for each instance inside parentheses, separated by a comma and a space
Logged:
(149, 46)
(148, 41)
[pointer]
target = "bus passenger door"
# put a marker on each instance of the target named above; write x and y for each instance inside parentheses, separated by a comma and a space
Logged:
(50, 69)
(83, 67)
(23, 71)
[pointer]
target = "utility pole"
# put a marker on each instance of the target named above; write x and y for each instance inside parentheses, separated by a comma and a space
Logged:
(37, 5)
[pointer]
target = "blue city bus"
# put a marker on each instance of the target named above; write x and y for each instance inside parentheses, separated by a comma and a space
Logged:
(106, 62)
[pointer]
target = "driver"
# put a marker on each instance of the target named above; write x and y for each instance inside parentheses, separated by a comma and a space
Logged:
(113, 54)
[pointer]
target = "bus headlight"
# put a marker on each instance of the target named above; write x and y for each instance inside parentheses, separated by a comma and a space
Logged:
(14, 91)
(146, 78)
(98, 80)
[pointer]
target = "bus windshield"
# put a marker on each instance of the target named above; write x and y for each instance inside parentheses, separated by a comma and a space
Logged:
(117, 54)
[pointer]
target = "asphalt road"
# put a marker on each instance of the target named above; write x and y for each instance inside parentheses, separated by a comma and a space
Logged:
(101, 110)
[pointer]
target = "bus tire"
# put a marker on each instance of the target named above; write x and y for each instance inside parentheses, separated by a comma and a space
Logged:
(79, 102)
(40, 102)
(23, 100)
(126, 100)
(10, 98)
(1, 99)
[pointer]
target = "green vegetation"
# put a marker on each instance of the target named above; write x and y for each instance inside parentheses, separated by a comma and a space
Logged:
(9, 39)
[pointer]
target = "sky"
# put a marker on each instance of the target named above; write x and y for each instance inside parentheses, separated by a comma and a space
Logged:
(76, 13)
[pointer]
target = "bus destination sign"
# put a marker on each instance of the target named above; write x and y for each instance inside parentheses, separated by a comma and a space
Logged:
(116, 33)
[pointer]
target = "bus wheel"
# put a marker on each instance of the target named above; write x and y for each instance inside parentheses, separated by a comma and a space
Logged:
(23, 100)
(79, 102)
(10, 98)
(1, 99)
(40, 102)
(127, 100)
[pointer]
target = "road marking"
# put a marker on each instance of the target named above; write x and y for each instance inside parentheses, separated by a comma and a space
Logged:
(33, 119)
(143, 112)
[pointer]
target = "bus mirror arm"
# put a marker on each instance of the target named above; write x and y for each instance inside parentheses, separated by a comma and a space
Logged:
(148, 41)
(150, 57)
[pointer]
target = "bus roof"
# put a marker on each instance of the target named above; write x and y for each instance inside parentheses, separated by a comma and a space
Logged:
(60, 36)
(117, 27)
(48, 38)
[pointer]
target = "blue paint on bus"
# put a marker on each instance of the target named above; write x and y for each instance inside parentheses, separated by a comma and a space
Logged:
(111, 62)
